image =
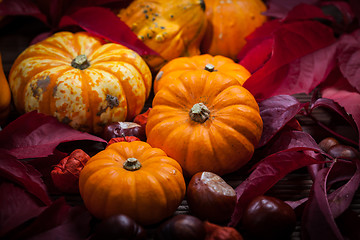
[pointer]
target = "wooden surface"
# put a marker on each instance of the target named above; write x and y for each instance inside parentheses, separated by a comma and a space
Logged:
(17, 33)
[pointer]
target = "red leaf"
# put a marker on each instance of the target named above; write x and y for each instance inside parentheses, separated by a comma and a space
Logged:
(300, 60)
(323, 207)
(267, 173)
(276, 112)
(21, 7)
(349, 58)
(16, 207)
(108, 26)
(34, 135)
(24, 175)
(304, 11)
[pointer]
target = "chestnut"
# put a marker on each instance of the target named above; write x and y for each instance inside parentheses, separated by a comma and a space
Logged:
(210, 198)
(268, 217)
(343, 151)
(122, 129)
(119, 227)
(181, 227)
(327, 143)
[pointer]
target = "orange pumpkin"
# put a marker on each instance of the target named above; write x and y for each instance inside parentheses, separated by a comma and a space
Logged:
(80, 80)
(5, 95)
(170, 27)
(134, 179)
(206, 121)
(177, 66)
(229, 23)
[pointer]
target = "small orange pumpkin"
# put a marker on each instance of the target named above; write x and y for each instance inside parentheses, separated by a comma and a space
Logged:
(220, 64)
(206, 121)
(80, 80)
(134, 179)
(170, 27)
(229, 23)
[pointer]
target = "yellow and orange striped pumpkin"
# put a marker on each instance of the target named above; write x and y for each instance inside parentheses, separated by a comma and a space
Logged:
(80, 80)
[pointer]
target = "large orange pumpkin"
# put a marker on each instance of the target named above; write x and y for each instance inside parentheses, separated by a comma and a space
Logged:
(220, 64)
(170, 27)
(229, 23)
(134, 179)
(80, 80)
(206, 121)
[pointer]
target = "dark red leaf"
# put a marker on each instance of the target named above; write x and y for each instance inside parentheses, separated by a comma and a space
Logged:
(24, 175)
(108, 26)
(276, 112)
(21, 7)
(304, 11)
(34, 135)
(323, 207)
(280, 8)
(267, 173)
(302, 57)
(349, 58)
(16, 207)
(59, 221)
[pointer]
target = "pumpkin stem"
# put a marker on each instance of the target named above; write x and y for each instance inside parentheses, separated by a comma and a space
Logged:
(80, 62)
(209, 67)
(199, 113)
(132, 164)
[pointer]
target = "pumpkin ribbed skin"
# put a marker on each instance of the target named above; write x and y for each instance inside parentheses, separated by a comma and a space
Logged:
(224, 141)
(229, 23)
(111, 85)
(170, 27)
(177, 66)
(148, 195)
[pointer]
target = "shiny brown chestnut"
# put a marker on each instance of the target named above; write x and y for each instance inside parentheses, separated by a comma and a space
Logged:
(268, 218)
(121, 129)
(181, 227)
(327, 143)
(343, 151)
(119, 227)
(210, 198)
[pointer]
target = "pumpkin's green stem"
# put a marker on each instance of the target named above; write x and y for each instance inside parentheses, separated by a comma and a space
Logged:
(132, 164)
(80, 62)
(199, 113)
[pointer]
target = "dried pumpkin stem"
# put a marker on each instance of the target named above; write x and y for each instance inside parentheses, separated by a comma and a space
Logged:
(209, 67)
(132, 164)
(80, 62)
(199, 113)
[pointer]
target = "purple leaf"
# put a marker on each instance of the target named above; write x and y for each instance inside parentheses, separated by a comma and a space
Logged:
(322, 208)
(16, 207)
(266, 174)
(108, 26)
(24, 175)
(34, 135)
(276, 112)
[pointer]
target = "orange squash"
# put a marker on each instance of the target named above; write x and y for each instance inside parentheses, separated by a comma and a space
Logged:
(170, 27)
(5, 95)
(229, 23)
(134, 179)
(206, 121)
(220, 64)
(80, 80)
